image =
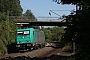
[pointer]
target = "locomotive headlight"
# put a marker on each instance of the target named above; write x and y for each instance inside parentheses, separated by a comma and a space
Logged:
(28, 41)
(28, 44)
(17, 45)
(18, 42)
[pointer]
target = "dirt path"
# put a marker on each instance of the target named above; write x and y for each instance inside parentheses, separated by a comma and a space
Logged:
(47, 53)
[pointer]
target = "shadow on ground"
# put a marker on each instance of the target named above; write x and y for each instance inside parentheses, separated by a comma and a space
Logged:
(11, 48)
(53, 57)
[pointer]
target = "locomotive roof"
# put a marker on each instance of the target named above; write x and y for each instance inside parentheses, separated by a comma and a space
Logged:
(24, 29)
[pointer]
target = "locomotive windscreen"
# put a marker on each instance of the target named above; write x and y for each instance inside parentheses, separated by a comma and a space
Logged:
(23, 32)
(19, 33)
(26, 32)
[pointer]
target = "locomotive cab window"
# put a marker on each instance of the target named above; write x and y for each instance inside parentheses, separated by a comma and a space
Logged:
(33, 32)
(26, 32)
(19, 33)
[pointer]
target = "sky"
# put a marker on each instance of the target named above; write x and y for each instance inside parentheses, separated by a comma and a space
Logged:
(43, 7)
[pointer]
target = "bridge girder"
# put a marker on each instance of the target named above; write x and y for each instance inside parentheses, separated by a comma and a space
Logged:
(40, 23)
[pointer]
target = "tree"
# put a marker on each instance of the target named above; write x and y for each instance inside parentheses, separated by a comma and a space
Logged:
(13, 7)
(29, 15)
(57, 33)
(48, 35)
(79, 32)
(53, 34)
(7, 25)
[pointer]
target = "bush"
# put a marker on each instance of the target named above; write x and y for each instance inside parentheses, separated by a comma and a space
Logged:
(3, 50)
(67, 48)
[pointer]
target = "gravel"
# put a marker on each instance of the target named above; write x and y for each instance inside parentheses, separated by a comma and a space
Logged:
(46, 53)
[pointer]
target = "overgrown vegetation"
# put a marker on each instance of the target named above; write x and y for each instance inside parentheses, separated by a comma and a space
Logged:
(79, 33)
(8, 11)
(7, 33)
(29, 15)
(53, 34)
(7, 25)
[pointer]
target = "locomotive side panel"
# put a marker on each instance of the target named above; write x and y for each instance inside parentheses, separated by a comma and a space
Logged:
(40, 38)
(29, 38)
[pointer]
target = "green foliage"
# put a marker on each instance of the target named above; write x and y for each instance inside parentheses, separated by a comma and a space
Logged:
(80, 31)
(13, 7)
(74, 2)
(48, 35)
(3, 49)
(53, 34)
(7, 35)
(57, 33)
(67, 47)
(7, 25)
(3, 17)
(30, 15)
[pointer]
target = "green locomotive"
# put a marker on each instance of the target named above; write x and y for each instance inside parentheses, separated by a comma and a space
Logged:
(29, 38)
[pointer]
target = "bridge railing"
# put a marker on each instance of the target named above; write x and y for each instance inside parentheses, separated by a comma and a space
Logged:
(22, 18)
(43, 19)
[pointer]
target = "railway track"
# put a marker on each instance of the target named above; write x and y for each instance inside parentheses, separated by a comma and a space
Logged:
(49, 53)
(39, 53)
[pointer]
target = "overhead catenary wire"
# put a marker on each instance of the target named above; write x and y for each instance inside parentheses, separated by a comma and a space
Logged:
(35, 13)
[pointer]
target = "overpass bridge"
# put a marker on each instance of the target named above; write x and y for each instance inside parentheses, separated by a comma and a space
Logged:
(24, 21)
(43, 23)
(51, 22)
